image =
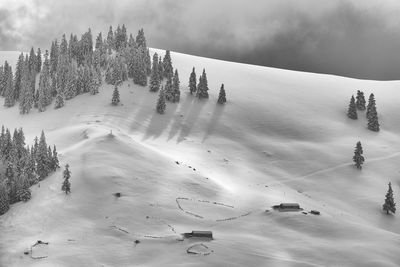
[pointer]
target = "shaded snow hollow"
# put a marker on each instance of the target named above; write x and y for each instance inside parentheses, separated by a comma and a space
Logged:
(283, 136)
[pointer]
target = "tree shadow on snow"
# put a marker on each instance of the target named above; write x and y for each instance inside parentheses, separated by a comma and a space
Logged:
(159, 122)
(191, 119)
(145, 109)
(216, 115)
(179, 118)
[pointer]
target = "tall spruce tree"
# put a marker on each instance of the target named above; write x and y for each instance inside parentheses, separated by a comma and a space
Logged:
(202, 88)
(360, 102)
(222, 95)
(18, 76)
(115, 97)
(192, 82)
(66, 186)
(176, 93)
(168, 70)
(154, 77)
(358, 158)
(160, 69)
(54, 58)
(42, 158)
(169, 90)
(372, 115)
(161, 105)
(55, 163)
(38, 60)
(389, 205)
(110, 40)
(9, 100)
(352, 111)
(26, 97)
(4, 198)
(59, 103)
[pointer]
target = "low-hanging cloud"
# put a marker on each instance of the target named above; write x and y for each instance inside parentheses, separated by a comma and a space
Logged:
(351, 38)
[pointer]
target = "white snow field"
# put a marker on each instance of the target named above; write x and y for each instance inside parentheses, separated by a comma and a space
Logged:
(283, 136)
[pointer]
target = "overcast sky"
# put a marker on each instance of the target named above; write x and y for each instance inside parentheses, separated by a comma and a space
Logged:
(359, 38)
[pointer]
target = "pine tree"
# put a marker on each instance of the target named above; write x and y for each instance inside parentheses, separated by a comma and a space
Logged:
(160, 69)
(202, 88)
(372, 115)
(55, 162)
(161, 105)
(175, 87)
(139, 67)
(66, 186)
(4, 78)
(38, 60)
(167, 65)
(115, 98)
(32, 61)
(110, 40)
(352, 111)
(141, 39)
(4, 198)
(99, 42)
(53, 58)
(18, 76)
(154, 78)
(9, 100)
(360, 102)
(222, 95)
(169, 90)
(389, 205)
(59, 101)
(192, 82)
(11, 183)
(71, 84)
(26, 97)
(42, 158)
(358, 158)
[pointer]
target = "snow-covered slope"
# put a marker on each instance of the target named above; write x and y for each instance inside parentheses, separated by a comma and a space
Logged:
(283, 136)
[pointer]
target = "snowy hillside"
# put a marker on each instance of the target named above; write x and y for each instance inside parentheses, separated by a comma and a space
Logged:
(283, 136)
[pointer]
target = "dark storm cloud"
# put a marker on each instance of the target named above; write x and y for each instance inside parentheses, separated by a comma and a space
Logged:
(350, 38)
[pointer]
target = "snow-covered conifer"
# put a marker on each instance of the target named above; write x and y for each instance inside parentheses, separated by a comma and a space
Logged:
(18, 76)
(175, 87)
(154, 78)
(358, 158)
(352, 110)
(389, 205)
(161, 105)
(372, 115)
(115, 97)
(38, 60)
(167, 65)
(192, 82)
(110, 40)
(66, 186)
(9, 100)
(59, 103)
(55, 163)
(202, 88)
(4, 198)
(222, 95)
(169, 89)
(42, 158)
(26, 97)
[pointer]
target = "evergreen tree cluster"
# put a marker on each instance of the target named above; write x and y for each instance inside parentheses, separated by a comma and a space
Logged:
(358, 103)
(24, 166)
(201, 89)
